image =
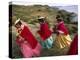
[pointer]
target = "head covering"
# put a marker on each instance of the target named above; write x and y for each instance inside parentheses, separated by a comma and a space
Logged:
(18, 20)
(58, 16)
(41, 19)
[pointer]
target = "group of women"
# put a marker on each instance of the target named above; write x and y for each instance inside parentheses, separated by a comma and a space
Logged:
(30, 46)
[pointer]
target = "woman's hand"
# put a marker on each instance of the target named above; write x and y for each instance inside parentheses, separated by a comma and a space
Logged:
(21, 37)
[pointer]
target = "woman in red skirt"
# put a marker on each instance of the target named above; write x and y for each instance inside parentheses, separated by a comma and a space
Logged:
(74, 46)
(27, 42)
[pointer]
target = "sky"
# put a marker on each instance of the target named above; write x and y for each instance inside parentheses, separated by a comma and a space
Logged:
(73, 8)
(67, 7)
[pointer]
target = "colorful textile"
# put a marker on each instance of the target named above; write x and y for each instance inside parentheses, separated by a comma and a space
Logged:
(63, 40)
(27, 50)
(27, 35)
(44, 31)
(29, 46)
(61, 27)
(48, 42)
(74, 46)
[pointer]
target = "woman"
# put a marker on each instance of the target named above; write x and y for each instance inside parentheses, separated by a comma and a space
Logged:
(74, 46)
(28, 44)
(45, 34)
(63, 39)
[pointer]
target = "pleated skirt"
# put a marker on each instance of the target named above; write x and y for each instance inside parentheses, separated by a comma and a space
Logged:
(28, 52)
(47, 43)
(63, 40)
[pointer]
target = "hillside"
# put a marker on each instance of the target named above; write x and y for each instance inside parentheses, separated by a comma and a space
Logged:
(29, 14)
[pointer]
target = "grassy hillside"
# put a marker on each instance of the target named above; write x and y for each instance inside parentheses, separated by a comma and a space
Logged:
(30, 14)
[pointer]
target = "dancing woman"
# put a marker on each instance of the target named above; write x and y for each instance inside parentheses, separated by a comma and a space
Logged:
(28, 44)
(63, 38)
(45, 33)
